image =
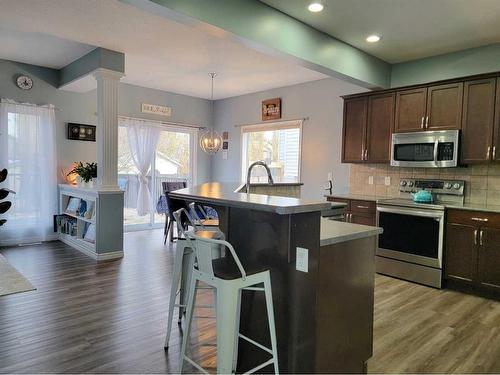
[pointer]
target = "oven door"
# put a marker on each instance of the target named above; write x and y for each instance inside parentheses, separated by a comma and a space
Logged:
(411, 235)
(425, 149)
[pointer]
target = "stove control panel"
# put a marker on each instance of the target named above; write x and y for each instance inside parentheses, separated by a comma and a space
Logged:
(449, 187)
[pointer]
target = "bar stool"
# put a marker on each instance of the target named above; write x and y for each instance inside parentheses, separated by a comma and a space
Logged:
(183, 265)
(229, 279)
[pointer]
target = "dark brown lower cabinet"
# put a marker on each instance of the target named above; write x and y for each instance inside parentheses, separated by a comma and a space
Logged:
(472, 253)
(358, 211)
(489, 258)
(461, 252)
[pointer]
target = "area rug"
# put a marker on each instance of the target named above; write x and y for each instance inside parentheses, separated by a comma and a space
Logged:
(11, 281)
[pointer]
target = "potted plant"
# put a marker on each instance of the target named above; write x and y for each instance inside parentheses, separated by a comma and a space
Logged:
(86, 174)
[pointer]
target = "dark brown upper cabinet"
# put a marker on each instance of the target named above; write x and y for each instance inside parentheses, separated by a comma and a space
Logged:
(368, 124)
(380, 125)
(444, 107)
(429, 108)
(410, 110)
(353, 140)
(496, 126)
(478, 121)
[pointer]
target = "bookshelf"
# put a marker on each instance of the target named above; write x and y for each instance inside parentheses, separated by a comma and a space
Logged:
(91, 221)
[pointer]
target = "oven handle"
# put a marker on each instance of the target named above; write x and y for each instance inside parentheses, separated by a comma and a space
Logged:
(412, 212)
(436, 145)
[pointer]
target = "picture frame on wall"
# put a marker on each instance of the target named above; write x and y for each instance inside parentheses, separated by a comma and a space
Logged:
(271, 109)
(81, 132)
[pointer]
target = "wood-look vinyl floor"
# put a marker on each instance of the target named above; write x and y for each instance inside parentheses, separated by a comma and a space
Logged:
(110, 317)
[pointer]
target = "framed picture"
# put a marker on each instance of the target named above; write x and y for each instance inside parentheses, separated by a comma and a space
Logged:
(80, 132)
(271, 109)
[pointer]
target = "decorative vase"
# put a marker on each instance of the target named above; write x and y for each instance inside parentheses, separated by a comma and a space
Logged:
(79, 182)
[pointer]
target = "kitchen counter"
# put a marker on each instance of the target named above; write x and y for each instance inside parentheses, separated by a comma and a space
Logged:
(224, 194)
(475, 207)
(323, 302)
(360, 197)
(332, 232)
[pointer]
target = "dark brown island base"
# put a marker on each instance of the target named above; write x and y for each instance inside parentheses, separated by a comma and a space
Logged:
(324, 317)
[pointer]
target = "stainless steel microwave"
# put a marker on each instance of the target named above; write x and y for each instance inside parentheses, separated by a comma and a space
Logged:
(425, 149)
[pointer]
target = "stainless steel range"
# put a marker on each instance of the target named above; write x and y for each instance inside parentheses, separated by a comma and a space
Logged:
(411, 246)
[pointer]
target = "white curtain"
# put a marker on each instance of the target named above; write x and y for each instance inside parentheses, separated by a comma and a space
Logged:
(142, 140)
(27, 150)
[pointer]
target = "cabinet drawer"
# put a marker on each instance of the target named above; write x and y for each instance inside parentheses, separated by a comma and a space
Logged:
(363, 207)
(341, 200)
(476, 218)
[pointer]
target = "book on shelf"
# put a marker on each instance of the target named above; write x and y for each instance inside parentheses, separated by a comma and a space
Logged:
(89, 213)
(89, 235)
(66, 225)
(73, 205)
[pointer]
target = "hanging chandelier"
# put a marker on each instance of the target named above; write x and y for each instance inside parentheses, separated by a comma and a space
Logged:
(210, 140)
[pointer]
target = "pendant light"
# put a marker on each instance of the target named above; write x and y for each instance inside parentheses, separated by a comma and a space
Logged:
(210, 140)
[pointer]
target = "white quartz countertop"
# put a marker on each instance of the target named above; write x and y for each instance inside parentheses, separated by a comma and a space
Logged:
(332, 232)
(223, 194)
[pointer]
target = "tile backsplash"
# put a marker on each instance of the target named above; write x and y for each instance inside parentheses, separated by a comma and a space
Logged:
(482, 182)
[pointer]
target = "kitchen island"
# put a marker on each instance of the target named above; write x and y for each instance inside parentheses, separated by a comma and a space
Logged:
(324, 303)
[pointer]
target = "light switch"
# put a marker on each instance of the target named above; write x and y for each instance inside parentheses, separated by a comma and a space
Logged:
(224, 155)
(302, 260)
(330, 176)
(370, 180)
(387, 181)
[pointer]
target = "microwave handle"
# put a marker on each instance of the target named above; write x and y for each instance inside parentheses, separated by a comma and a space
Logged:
(436, 144)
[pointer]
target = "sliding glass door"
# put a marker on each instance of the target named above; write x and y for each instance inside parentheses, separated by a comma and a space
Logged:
(172, 156)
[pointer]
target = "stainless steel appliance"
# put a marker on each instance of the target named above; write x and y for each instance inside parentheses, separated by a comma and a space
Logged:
(411, 246)
(425, 149)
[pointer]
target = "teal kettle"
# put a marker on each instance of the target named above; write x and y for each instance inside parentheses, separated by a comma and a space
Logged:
(422, 196)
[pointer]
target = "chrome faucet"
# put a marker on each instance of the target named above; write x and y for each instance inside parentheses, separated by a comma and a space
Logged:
(270, 180)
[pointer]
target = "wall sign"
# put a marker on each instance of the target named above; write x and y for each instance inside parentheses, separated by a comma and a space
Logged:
(271, 109)
(156, 109)
(80, 132)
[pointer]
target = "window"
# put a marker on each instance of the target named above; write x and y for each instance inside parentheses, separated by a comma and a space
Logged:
(278, 145)
(27, 150)
(171, 157)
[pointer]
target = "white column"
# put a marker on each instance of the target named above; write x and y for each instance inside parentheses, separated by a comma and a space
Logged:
(107, 128)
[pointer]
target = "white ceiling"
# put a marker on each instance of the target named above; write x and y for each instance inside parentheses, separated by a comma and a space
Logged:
(411, 29)
(159, 53)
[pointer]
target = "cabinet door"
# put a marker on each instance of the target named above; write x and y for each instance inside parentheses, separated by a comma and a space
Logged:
(355, 116)
(477, 120)
(363, 219)
(489, 258)
(379, 128)
(410, 110)
(496, 128)
(444, 106)
(460, 257)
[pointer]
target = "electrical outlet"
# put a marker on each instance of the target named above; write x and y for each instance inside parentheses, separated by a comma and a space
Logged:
(370, 180)
(302, 260)
(387, 181)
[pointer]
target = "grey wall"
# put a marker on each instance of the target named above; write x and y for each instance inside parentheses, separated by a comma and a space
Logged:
(322, 133)
(81, 108)
(479, 60)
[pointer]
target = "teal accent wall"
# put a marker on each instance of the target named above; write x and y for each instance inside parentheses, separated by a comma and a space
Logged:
(97, 58)
(268, 30)
(451, 65)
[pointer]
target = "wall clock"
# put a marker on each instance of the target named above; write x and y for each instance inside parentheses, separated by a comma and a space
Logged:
(24, 82)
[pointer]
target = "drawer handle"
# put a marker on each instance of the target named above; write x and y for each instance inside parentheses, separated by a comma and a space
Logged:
(366, 207)
(479, 219)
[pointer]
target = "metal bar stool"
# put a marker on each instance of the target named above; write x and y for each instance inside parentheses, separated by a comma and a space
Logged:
(229, 279)
(183, 264)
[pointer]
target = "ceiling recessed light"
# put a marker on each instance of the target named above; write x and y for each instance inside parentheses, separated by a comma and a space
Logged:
(315, 6)
(373, 38)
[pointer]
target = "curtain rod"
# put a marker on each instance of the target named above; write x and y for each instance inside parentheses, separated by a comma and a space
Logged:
(272, 122)
(10, 101)
(164, 122)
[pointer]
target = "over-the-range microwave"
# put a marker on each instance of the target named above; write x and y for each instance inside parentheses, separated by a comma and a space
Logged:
(425, 149)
